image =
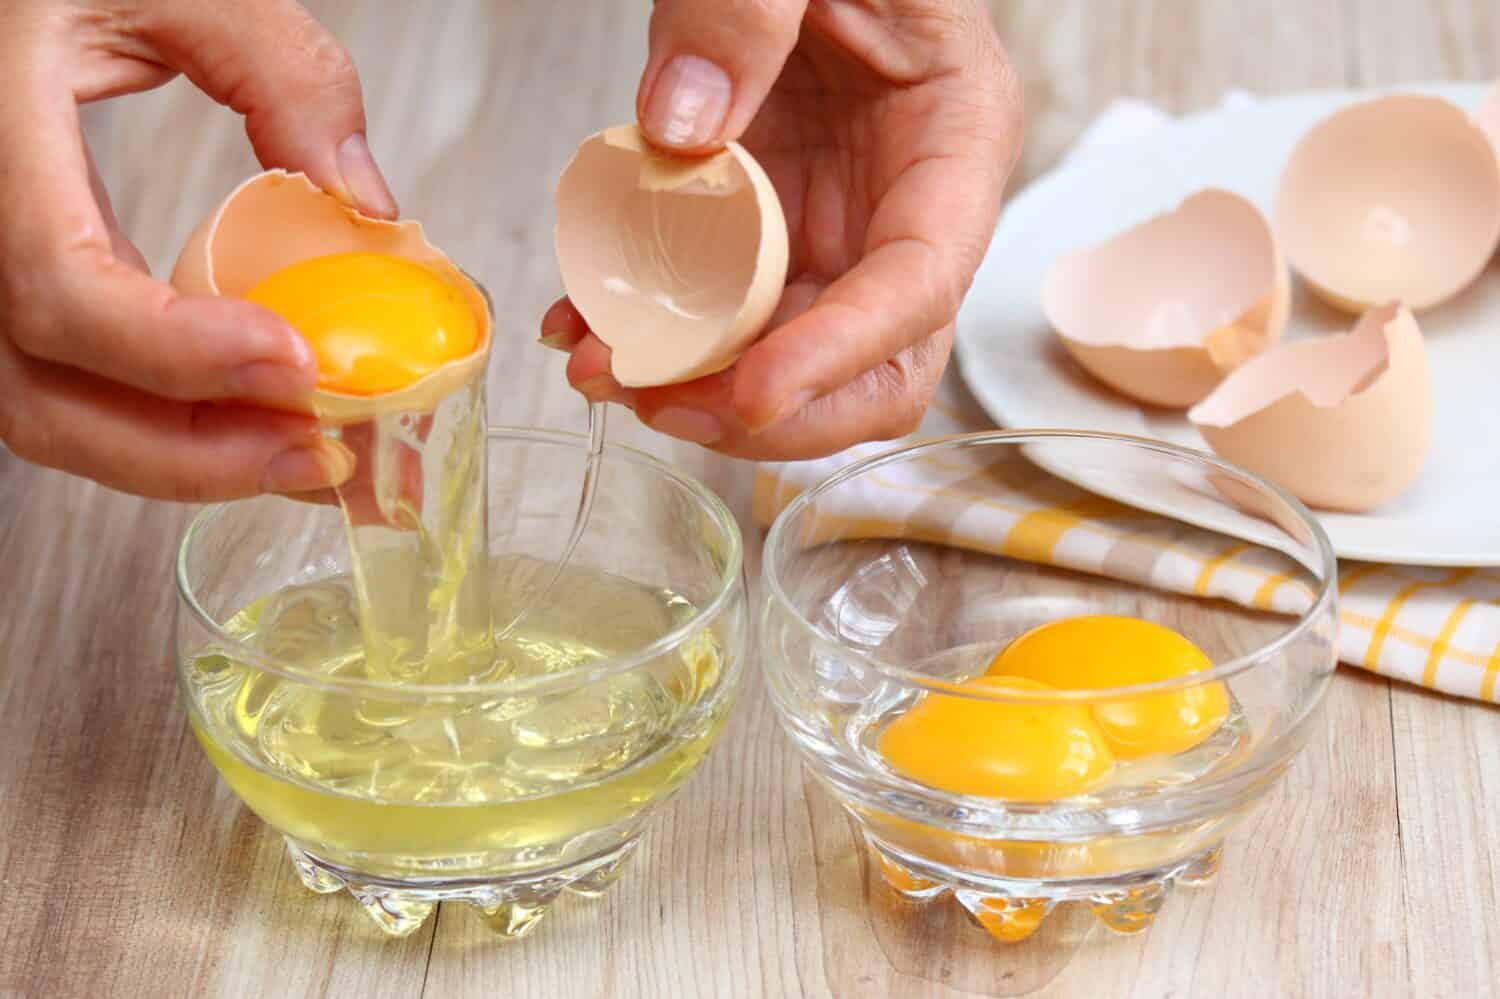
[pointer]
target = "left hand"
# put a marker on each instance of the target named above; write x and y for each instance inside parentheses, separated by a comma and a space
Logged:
(889, 129)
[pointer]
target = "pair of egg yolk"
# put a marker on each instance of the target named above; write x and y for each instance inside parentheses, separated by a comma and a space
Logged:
(375, 322)
(1041, 750)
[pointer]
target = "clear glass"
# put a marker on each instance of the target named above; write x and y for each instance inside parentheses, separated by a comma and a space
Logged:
(501, 794)
(865, 616)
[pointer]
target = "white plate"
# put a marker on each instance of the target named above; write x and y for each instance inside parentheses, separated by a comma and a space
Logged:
(1013, 364)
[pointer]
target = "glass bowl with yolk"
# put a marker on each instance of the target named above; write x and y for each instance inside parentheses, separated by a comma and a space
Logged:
(1043, 669)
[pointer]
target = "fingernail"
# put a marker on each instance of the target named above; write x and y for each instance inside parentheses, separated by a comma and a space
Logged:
(366, 184)
(560, 341)
(688, 424)
(600, 388)
(314, 466)
(688, 103)
(272, 383)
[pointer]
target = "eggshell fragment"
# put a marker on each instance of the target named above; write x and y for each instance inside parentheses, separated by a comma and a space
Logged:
(276, 219)
(1396, 199)
(1341, 422)
(1163, 310)
(676, 264)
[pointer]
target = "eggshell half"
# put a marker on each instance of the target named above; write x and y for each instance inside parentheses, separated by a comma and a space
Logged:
(1163, 310)
(677, 264)
(1341, 422)
(1396, 199)
(276, 219)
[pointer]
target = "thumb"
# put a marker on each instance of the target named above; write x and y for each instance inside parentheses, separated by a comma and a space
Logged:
(295, 84)
(711, 65)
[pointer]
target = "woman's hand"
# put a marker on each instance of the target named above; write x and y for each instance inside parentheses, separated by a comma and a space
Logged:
(889, 128)
(104, 371)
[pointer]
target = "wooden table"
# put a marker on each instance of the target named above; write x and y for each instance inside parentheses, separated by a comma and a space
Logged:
(126, 868)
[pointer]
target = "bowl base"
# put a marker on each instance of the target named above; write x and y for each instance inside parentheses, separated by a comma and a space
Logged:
(1012, 912)
(510, 905)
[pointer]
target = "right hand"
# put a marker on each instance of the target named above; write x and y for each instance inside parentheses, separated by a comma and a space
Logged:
(104, 371)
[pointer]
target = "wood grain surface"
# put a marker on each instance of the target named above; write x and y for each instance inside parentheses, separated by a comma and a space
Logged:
(127, 869)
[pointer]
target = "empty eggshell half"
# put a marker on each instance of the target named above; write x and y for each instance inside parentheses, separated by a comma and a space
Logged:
(676, 264)
(276, 219)
(1163, 310)
(1395, 199)
(1342, 422)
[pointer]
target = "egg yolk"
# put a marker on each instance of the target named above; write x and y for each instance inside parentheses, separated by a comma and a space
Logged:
(1103, 650)
(377, 323)
(997, 749)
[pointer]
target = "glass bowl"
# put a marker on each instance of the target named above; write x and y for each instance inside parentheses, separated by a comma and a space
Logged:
(902, 575)
(502, 793)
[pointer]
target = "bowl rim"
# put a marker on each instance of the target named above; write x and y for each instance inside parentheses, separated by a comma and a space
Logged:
(1325, 601)
(730, 581)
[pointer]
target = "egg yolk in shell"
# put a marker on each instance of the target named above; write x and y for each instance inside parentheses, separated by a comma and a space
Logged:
(1099, 651)
(376, 322)
(1024, 751)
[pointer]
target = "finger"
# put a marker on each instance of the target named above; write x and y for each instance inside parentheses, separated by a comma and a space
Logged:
(589, 373)
(711, 65)
(922, 248)
(295, 84)
(66, 298)
(137, 443)
(883, 403)
(563, 326)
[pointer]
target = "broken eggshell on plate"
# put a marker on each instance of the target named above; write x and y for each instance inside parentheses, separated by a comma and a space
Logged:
(1342, 422)
(276, 219)
(1163, 310)
(676, 264)
(1392, 199)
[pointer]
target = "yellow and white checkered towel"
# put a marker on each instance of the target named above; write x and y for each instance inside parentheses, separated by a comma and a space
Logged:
(1439, 628)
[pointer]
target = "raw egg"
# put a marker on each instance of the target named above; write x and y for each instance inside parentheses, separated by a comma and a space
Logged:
(1019, 750)
(1395, 199)
(1096, 652)
(1341, 422)
(1163, 310)
(396, 327)
(377, 323)
(676, 264)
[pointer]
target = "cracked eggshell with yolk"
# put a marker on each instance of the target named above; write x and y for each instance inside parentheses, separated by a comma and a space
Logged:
(1395, 199)
(1163, 310)
(1342, 422)
(276, 219)
(676, 264)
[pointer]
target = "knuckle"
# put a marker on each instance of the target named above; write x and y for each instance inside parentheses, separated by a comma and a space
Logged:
(10, 423)
(905, 403)
(909, 382)
(31, 324)
(733, 21)
(191, 489)
(945, 281)
(331, 64)
(768, 14)
(24, 429)
(1011, 96)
